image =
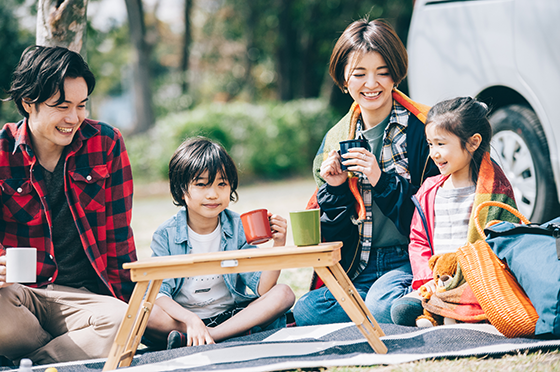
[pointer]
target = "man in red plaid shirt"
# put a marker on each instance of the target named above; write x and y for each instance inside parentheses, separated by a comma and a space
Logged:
(65, 189)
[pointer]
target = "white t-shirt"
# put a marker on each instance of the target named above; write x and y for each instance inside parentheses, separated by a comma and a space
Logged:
(205, 295)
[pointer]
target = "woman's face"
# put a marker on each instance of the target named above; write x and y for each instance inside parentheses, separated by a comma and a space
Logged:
(369, 82)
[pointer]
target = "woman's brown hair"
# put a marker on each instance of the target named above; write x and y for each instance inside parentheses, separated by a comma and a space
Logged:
(366, 36)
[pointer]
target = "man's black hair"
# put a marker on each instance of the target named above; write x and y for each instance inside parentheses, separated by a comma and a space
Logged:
(41, 72)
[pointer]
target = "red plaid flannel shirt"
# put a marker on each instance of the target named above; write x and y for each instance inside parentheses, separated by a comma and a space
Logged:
(98, 185)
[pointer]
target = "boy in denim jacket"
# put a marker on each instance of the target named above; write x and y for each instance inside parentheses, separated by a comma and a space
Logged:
(211, 308)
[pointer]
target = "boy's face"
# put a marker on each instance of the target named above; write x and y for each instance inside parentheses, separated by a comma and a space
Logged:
(206, 201)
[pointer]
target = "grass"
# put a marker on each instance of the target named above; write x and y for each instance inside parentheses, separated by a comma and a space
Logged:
(536, 361)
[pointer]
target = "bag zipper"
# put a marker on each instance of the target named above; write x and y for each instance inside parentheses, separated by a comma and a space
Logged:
(555, 229)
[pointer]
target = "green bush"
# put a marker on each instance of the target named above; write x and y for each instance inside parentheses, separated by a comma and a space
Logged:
(267, 141)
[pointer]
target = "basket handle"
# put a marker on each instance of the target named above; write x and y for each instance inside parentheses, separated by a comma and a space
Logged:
(505, 206)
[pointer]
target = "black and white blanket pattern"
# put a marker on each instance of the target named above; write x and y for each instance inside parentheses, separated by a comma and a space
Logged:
(325, 346)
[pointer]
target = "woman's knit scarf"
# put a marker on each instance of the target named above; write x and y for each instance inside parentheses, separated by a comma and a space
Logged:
(346, 129)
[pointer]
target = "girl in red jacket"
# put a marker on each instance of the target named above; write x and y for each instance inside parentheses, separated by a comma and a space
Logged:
(458, 134)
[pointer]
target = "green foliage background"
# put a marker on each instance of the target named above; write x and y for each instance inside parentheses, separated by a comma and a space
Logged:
(257, 80)
(13, 40)
(267, 141)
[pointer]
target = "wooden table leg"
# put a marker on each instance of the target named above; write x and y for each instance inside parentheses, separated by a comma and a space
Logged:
(133, 326)
(347, 296)
(126, 326)
(140, 325)
(348, 287)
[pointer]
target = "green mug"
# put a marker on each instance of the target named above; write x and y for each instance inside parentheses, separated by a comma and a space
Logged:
(306, 227)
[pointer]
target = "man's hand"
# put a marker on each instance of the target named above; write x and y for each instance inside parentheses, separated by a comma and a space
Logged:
(3, 272)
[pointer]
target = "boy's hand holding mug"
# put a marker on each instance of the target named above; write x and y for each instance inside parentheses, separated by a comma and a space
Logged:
(260, 226)
(279, 227)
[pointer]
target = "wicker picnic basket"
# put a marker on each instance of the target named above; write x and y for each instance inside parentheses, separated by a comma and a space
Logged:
(501, 297)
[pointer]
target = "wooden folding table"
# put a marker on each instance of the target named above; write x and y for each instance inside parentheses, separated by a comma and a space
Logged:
(149, 274)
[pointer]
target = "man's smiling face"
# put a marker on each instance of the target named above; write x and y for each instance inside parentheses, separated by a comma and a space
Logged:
(53, 126)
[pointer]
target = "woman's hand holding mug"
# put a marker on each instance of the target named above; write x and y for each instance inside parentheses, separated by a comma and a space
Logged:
(331, 170)
(358, 159)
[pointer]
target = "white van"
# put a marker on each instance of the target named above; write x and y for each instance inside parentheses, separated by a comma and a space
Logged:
(507, 54)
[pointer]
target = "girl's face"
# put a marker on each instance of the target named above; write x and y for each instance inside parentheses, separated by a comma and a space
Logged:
(448, 154)
(206, 201)
(369, 82)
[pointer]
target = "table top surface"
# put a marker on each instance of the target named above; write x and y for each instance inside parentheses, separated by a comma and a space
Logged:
(186, 259)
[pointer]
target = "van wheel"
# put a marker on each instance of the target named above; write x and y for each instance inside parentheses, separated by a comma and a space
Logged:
(519, 146)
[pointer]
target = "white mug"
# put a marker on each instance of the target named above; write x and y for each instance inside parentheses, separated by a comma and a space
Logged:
(21, 265)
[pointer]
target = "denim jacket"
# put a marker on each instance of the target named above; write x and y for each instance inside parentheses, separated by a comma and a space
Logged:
(171, 238)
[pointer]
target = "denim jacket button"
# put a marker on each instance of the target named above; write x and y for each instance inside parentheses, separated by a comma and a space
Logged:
(19, 190)
(88, 178)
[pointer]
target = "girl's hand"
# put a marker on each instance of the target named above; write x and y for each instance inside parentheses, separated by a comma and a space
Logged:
(197, 332)
(358, 159)
(3, 272)
(429, 288)
(432, 286)
(279, 227)
(331, 170)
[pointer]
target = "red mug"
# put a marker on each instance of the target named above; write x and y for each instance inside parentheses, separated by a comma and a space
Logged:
(256, 226)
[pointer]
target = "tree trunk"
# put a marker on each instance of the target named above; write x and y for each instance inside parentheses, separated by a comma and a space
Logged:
(142, 93)
(186, 46)
(285, 53)
(251, 51)
(309, 79)
(62, 23)
(338, 100)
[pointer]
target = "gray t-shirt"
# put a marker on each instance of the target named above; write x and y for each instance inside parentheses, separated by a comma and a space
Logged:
(375, 137)
(452, 208)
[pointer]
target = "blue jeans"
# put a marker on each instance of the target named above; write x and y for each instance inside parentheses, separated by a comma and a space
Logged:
(386, 290)
(320, 307)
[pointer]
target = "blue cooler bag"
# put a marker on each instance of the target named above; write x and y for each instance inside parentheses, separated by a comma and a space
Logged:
(532, 253)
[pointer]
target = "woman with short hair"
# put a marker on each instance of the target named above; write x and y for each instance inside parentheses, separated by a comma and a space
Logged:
(369, 207)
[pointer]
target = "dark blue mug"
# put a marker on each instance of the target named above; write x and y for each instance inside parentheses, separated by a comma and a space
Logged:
(348, 144)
